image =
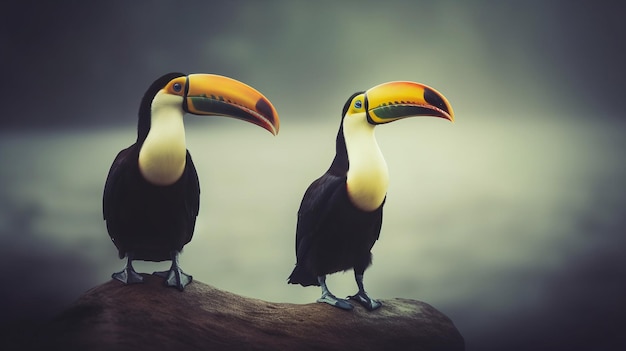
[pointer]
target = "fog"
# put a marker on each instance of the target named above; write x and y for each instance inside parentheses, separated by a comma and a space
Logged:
(511, 221)
(68, 63)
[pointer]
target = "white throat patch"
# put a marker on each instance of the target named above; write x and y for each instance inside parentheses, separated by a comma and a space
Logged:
(368, 176)
(163, 155)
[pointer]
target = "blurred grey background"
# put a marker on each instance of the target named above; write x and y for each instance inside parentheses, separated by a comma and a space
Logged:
(511, 221)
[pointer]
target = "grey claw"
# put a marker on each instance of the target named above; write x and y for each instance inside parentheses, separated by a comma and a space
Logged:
(175, 278)
(365, 301)
(334, 301)
(128, 276)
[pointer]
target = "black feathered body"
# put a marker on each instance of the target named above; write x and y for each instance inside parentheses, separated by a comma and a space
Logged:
(149, 220)
(332, 234)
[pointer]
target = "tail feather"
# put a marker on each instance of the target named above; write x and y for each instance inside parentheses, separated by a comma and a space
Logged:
(302, 276)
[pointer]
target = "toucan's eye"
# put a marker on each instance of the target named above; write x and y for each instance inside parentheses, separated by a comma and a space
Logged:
(357, 104)
(177, 87)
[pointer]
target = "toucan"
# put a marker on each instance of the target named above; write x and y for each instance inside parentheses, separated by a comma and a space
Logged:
(152, 192)
(341, 213)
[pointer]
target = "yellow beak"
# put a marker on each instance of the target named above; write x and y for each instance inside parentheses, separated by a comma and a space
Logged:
(391, 101)
(210, 94)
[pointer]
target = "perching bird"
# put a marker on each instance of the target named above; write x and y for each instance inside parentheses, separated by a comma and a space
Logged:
(341, 214)
(152, 193)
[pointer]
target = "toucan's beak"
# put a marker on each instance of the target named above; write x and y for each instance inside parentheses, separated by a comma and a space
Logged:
(209, 94)
(391, 101)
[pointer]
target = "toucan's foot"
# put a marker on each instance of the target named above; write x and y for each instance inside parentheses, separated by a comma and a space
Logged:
(128, 276)
(175, 277)
(334, 301)
(365, 301)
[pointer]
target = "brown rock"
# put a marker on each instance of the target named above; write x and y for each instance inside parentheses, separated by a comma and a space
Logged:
(150, 316)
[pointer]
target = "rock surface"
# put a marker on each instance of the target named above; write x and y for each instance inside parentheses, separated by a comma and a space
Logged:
(150, 316)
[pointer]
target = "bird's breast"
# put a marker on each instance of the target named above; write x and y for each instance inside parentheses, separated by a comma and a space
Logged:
(367, 186)
(163, 154)
(368, 176)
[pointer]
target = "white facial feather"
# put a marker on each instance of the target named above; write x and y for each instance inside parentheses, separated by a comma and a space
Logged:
(163, 154)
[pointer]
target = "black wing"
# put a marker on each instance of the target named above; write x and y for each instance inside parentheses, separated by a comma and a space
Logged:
(192, 195)
(112, 194)
(314, 208)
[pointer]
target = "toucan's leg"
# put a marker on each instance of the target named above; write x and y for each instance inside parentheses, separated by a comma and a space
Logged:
(329, 298)
(175, 276)
(361, 296)
(128, 275)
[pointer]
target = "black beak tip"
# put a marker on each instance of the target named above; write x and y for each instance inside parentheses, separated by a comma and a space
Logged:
(436, 100)
(265, 108)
